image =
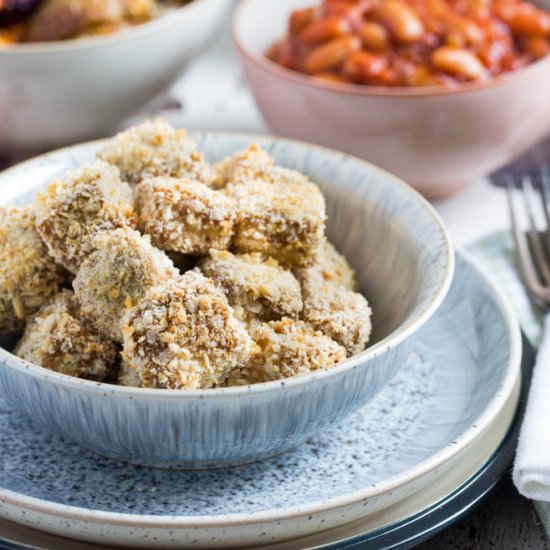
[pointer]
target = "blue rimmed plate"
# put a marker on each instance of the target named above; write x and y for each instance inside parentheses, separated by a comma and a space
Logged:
(432, 428)
(400, 535)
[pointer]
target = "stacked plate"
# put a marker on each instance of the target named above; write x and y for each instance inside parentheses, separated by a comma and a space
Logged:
(419, 454)
(423, 441)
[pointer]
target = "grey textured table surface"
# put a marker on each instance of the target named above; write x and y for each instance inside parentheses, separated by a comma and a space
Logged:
(505, 521)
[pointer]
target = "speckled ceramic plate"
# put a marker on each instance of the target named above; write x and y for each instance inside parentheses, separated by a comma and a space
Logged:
(423, 524)
(437, 422)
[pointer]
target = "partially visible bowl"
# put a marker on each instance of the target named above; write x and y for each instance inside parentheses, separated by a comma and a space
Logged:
(404, 261)
(56, 93)
(436, 139)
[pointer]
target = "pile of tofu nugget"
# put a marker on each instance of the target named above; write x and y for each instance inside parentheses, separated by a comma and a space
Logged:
(151, 268)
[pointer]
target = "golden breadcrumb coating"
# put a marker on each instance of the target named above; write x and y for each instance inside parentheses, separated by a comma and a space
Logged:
(287, 348)
(334, 267)
(251, 164)
(280, 213)
(184, 334)
(184, 216)
(156, 149)
(341, 314)
(28, 275)
(57, 339)
(283, 220)
(77, 207)
(261, 286)
(116, 276)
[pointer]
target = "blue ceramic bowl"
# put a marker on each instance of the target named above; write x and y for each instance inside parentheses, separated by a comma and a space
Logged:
(404, 261)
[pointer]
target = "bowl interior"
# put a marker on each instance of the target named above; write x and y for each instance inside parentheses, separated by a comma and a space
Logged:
(163, 21)
(390, 235)
(257, 28)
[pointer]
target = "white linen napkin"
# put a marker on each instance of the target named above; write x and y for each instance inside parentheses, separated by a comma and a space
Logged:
(531, 473)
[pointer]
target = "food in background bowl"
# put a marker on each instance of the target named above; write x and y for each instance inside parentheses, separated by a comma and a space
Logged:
(438, 139)
(44, 104)
(47, 20)
(263, 303)
(413, 42)
(403, 262)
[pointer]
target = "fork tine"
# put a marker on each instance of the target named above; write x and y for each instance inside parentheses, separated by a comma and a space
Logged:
(525, 264)
(526, 267)
(533, 234)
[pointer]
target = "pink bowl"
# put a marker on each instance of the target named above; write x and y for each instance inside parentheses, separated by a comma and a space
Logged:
(437, 140)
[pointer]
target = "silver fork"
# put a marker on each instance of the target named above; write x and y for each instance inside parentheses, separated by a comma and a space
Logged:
(532, 243)
(533, 253)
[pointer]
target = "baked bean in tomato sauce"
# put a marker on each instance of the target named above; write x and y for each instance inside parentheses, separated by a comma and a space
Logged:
(413, 42)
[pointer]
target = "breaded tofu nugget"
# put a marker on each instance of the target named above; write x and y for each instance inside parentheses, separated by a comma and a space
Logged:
(334, 267)
(261, 286)
(341, 314)
(283, 220)
(77, 207)
(28, 275)
(156, 149)
(253, 164)
(184, 216)
(184, 334)
(116, 276)
(56, 338)
(287, 348)
(245, 166)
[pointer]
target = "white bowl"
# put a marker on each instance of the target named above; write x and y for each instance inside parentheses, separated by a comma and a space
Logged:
(56, 93)
(404, 260)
